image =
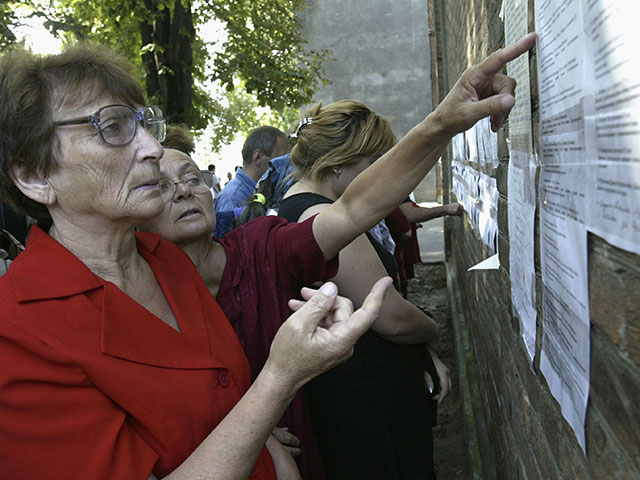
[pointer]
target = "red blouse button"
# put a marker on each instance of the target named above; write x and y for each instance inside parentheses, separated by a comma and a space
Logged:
(223, 378)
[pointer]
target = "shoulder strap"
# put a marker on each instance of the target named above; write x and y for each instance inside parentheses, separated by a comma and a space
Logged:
(292, 207)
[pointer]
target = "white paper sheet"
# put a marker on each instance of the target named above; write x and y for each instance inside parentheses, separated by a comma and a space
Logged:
(563, 88)
(491, 263)
(487, 144)
(521, 184)
(516, 26)
(612, 120)
(564, 357)
(522, 210)
(478, 193)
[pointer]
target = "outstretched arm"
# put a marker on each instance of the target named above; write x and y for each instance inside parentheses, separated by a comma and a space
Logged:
(418, 214)
(481, 91)
(360, 267)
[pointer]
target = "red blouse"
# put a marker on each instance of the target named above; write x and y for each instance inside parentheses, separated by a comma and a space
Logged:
(92, 385)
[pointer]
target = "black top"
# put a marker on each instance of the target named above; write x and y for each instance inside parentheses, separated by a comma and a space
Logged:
(13, 222)
(371, 415)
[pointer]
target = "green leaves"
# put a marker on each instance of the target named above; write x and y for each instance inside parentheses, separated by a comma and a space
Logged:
(260, 67)
(265, 50)
(8, 22)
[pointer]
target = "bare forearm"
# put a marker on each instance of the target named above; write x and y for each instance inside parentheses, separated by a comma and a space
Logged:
(399, 321)
(406, 324)
(378, 190)
(387, 183)
(231, 450)
(283, 462)
(422, 214)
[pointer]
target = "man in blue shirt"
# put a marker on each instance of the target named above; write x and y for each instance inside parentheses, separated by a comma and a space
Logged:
(262, 144)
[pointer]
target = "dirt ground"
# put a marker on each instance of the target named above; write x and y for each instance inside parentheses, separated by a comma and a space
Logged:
(428, 290)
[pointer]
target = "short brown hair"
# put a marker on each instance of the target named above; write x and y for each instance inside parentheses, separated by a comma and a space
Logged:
(32, 87)
(339, 134)
(179, 138)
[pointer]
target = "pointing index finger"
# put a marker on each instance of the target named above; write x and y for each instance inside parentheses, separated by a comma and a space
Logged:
(497, 60)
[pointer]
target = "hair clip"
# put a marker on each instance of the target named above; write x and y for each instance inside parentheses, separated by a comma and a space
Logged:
(303, 121)
(258, 197)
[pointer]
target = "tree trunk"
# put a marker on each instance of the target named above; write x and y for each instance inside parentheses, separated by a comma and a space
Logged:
(180, 61)
(169, 65)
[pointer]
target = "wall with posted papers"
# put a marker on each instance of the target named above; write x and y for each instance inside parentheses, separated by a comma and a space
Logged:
(548, 321)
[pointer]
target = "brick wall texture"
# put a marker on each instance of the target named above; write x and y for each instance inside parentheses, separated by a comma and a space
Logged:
(516, 428)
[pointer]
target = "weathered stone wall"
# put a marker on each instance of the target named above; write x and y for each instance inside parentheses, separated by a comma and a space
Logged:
(515, 427)
(381, 58)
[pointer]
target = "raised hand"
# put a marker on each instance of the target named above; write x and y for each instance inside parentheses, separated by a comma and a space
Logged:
(482, 90)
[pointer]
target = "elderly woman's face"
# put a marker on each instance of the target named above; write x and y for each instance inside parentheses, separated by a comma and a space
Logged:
(102, 182)
(188, 212)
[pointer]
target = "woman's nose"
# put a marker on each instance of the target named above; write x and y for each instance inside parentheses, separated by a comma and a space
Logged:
(148, 147)
(182, 191)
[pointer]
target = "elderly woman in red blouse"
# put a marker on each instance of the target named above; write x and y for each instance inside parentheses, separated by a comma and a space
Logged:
(117, 363)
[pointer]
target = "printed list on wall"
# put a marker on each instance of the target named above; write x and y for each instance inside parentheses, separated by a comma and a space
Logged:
(475, 152)
(521, 184)
(590, 171)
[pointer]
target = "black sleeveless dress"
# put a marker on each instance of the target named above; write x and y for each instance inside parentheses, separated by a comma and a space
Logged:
(371, 415)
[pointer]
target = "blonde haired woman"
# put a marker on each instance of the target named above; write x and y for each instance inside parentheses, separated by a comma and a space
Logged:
(372, 416)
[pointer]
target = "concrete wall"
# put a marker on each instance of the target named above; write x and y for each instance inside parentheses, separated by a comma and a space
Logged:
(515, 427)
(381, 58)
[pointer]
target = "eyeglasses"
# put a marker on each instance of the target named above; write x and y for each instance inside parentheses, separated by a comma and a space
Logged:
(193, 180)
(117, 124)
(207, 176)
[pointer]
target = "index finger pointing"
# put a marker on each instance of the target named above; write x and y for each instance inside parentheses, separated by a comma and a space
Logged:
(498, 59)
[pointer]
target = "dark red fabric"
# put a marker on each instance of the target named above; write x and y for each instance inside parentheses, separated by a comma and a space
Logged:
(93, 385)
(412, 248)
(398, 225)
(268, 262)
(407, 251)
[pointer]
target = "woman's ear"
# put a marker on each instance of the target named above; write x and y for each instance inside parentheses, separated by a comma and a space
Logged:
(32, 186)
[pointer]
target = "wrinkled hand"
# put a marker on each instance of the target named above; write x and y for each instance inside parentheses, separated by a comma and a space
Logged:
(482, 91)
(321, 332)
(283, 463)
(288, 440)
(341, 310)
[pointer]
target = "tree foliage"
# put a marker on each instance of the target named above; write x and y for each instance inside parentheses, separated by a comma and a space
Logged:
(242, 112)
(262, 62)
(8, 22)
